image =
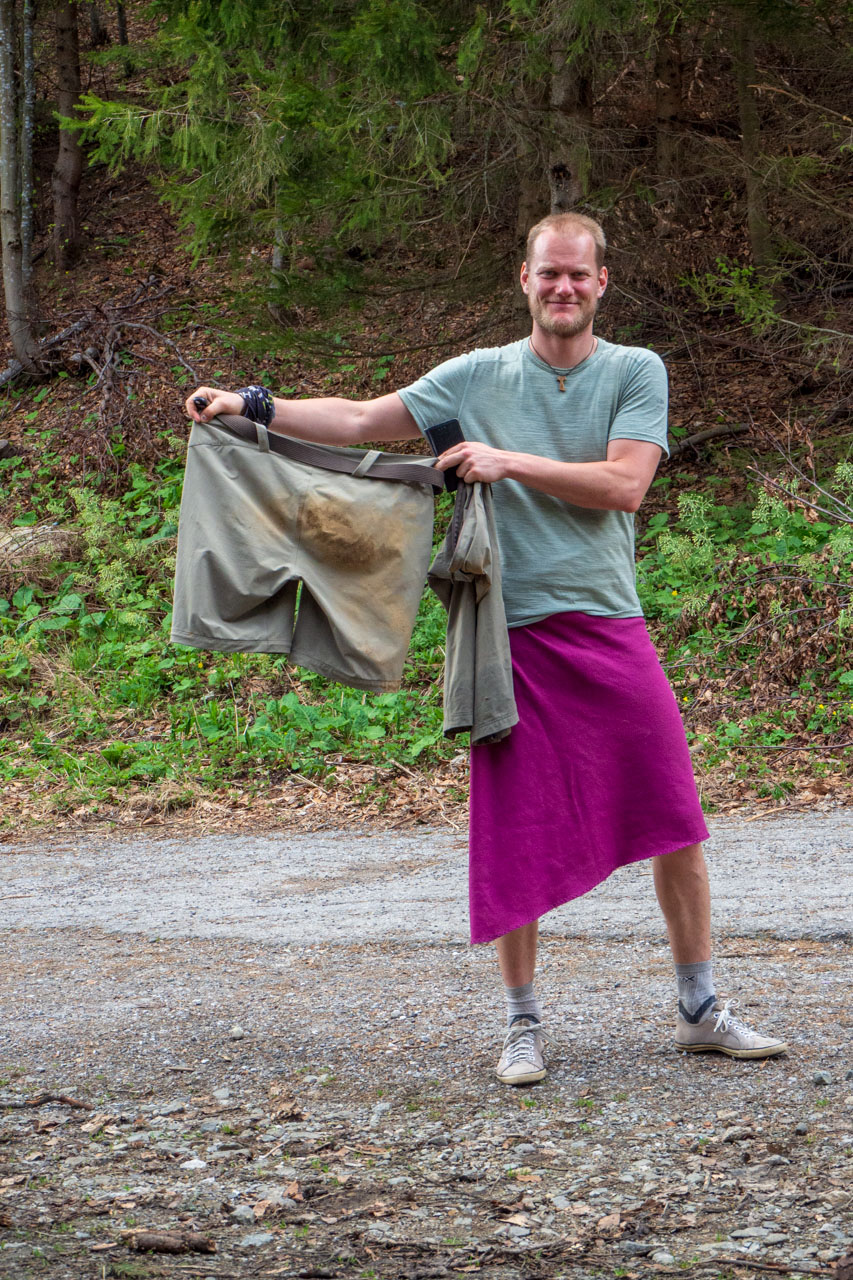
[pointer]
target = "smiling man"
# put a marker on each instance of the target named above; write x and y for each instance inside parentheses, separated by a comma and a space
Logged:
(569, 430)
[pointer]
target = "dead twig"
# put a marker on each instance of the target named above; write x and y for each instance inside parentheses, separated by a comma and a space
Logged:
(800, 500)
(787, 1268)
(39, 1100)
(161, 337)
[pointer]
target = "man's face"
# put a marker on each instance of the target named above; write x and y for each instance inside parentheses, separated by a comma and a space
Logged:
(563, 283)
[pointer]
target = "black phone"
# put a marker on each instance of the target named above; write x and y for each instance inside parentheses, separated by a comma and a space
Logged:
(440, 437)
(200, 402)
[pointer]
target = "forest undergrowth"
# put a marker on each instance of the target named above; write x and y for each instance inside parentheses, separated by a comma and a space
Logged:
(745, 546)
(747, 596)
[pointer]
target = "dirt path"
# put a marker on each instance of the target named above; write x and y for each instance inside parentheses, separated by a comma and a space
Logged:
(285, 1046)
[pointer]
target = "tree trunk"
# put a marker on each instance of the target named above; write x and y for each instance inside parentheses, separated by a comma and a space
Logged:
(121, 18)
(668, 102)
(532, 191)
(17, 297)
(27, 125)
(554, 156)
(69, 162)
(750, 128)
(570, 119)
(278, 263)
(98, 34)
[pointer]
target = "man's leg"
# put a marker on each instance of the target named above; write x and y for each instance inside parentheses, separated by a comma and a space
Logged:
(681, 884)
(521, 1061)
(517, 954)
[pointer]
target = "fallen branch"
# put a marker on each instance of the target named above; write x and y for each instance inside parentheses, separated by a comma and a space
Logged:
(788, 1268)
(40, 1099)
(169, 1241)
(811, 746)
(15, 368)
(712, 433)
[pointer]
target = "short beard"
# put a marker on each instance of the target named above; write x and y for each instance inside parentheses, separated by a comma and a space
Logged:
(561, 328)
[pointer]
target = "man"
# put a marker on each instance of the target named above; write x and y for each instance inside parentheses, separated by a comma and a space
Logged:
(569, 429)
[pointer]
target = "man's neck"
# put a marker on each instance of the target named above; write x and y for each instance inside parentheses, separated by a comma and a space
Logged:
(564, 353)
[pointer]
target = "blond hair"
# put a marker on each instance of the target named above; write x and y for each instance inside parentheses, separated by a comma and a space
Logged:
(568, 224)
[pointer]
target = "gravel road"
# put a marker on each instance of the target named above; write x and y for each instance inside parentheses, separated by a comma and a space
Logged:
(281, 1049)
(789, 878)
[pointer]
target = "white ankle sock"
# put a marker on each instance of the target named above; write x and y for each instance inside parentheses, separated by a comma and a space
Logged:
(695, 987)
(521, 1002)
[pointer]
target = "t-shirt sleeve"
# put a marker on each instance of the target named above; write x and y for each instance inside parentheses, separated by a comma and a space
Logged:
(641, 411)
(438, 395)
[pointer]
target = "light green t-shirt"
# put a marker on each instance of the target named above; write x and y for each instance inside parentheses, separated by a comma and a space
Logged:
(555, 557)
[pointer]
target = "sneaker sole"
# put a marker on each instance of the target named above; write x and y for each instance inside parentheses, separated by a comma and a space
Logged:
(770, 1052)
(530, 1077)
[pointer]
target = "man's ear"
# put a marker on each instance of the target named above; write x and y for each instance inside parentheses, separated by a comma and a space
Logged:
(524, 276)
(602, 281)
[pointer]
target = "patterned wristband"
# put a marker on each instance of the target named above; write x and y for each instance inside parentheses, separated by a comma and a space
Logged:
(258, 404)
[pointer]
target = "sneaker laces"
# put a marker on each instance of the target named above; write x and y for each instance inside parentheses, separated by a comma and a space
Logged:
(726, 1020)
(520, 1045)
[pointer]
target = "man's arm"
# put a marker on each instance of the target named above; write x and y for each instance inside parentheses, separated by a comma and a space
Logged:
(618, 483)
(325, 420)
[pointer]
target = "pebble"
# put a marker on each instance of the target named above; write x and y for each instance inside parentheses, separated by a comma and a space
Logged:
(664, 1258)
(195, 1163)
(243, 1213)
(237, 1033)
(801, 1127)
(849, 1074)
(738, 1133)
(821, 1077)
(256, 1240)
(223, 1094)
(381, 1109)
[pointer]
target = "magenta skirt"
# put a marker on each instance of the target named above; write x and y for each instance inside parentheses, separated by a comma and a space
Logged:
(595, 775)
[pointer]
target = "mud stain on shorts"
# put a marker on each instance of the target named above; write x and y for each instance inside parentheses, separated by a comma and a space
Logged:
(336, 533)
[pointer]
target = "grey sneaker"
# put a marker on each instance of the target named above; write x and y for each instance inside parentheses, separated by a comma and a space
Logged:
(522, 1060)
(721, 1032)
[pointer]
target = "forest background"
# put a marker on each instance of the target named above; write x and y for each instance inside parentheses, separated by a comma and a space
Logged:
(330, 199)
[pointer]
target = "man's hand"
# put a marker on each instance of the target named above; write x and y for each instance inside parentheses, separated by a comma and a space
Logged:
(217, 402)
(475, 461)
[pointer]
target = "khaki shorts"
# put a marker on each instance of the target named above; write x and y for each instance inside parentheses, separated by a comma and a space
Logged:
(281, 556)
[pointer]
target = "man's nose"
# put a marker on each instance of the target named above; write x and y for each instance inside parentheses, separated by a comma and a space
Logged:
(564, 284)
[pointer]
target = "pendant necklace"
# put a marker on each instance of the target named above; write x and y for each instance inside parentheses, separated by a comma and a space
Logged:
(561, 377)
